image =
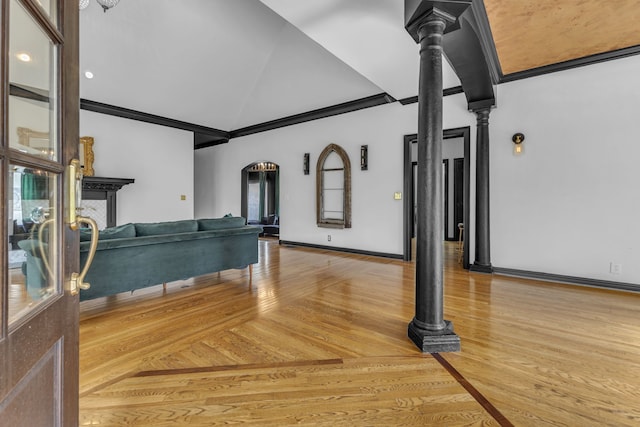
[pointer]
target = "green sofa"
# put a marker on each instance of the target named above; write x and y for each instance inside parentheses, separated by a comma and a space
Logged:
(135, 256)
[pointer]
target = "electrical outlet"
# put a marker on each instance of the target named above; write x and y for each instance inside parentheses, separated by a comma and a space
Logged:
(615, 268)
(329, 238)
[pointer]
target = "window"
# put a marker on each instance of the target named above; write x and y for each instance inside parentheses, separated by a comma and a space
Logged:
(333, 188)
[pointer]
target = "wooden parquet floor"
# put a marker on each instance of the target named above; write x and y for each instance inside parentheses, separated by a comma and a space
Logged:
(320, 338)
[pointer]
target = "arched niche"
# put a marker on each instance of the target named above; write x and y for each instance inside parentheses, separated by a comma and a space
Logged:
(333, 188)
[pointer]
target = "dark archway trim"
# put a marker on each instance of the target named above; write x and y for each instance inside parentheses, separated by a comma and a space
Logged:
(462, 45)
(463, 49)
(244, 186)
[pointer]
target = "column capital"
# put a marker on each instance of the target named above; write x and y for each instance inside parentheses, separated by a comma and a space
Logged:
(419, 12)
(482, 105)
(482, 116)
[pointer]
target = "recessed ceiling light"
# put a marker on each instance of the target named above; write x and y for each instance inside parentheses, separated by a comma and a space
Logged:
(88, 74)
(24, 57)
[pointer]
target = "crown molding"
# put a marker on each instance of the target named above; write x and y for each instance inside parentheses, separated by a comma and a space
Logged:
(207, 137)
(28, 92)
(98, 107)
(346, 107)
(446, 92)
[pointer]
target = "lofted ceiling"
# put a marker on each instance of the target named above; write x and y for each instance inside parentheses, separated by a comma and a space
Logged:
(217, 63)
(228, 64)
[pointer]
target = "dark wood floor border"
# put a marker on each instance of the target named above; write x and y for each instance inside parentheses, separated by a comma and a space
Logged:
(204, 369)
(483, 401)
(340, 249)
(105, 384)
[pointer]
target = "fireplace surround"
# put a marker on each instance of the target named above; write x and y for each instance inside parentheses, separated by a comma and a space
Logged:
(99, 198)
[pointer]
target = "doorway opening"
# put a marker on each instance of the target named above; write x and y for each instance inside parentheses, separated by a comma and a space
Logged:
(456, 182)
(261, 196)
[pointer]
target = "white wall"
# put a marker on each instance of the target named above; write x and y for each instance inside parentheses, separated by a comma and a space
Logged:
(159, 158)
(376, 216)
(569, 205)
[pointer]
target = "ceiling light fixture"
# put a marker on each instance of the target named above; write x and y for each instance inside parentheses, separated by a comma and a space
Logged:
(106, 4)
(24, 57)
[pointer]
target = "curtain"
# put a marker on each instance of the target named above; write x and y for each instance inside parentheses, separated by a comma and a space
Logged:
(277, 195)
(263, 184)
(34, 186)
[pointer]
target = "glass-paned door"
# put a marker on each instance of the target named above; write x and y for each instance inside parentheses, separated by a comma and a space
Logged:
(33, 192)
(39, 128)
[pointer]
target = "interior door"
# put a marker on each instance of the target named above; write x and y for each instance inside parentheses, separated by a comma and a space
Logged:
(445, 197)
(458, 193)
(39, 128)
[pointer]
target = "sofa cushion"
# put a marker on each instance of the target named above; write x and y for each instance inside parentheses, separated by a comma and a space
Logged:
(118, 232)
(220, 223)
(168, 227)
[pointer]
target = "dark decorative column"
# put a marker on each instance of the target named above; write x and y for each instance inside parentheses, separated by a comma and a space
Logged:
(428, 330)
(482, 262)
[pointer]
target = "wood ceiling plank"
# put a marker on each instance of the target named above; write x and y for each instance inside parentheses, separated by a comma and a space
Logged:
(534, 34)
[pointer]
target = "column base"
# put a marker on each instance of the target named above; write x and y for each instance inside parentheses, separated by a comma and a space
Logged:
(435, 342)
(481, 268)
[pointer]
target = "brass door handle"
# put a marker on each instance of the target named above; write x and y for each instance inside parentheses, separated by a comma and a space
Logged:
(43, 254)
(77, 279)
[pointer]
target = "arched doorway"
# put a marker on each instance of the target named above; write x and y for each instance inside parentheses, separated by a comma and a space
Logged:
(261, 196)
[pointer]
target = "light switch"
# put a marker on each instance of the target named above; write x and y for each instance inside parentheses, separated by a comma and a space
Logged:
(183, 197)
(397, 195)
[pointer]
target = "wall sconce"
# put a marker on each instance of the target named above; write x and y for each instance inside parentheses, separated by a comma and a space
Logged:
(518, 147)
(364, 157)
(305, 164)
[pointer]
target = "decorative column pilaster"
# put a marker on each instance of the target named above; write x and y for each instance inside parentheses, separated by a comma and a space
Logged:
(428, 330)
(482, 261)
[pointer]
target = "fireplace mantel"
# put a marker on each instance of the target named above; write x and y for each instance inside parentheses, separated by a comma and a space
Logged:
(104, 184)
(101, 188)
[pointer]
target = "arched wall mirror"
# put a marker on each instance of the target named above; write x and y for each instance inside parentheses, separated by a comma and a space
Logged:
(261, 196)
(333, 188)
